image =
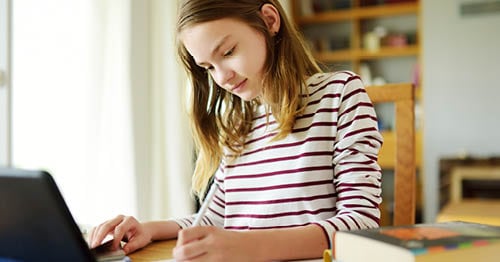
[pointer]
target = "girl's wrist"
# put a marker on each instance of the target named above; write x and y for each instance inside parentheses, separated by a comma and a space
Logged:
(161, 230)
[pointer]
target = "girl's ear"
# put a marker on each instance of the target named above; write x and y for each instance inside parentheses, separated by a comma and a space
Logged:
(272, 18)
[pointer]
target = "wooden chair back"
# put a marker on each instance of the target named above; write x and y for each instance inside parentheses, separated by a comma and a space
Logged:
(402, 95)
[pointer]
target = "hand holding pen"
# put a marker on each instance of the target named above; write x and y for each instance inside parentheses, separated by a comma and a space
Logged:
(184, 238)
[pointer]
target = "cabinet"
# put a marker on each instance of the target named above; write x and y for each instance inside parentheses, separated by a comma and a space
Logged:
(378, 39)
(471, 188)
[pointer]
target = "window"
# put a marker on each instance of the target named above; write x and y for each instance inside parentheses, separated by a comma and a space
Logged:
(94, 102)
(71, 101)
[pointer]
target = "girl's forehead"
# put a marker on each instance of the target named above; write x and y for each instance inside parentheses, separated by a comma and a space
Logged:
(211, 34)
(206, 33)
(216, 25)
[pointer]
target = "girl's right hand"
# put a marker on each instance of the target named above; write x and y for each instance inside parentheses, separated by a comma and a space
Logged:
(124, 228)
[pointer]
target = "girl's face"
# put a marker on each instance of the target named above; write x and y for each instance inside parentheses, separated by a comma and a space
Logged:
(231, 51)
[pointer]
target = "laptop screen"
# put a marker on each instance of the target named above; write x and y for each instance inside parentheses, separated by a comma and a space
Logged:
(35, 222)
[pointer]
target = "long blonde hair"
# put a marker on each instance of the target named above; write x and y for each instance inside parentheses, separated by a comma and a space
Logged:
(220, 119)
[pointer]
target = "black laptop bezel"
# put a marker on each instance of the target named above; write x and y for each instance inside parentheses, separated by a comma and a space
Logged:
(35, 222)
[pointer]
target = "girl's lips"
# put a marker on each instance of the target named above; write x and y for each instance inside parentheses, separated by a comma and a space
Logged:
(238, 86)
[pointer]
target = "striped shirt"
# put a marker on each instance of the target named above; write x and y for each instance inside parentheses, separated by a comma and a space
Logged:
(325, 172)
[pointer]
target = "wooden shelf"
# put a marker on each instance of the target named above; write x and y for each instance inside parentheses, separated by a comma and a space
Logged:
(359, 19)
(360, 13)
(336, 56)
(386, 52)
(360, 54)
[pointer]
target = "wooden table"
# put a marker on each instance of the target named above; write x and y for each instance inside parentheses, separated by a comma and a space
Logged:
(159, 250)
(162, 251)
(479, 211)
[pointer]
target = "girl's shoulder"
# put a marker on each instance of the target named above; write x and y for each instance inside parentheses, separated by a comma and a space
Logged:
(333, 82)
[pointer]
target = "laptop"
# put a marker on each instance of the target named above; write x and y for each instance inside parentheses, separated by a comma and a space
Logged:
(35, 222)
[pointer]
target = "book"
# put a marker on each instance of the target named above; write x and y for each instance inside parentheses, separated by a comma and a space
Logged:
(445, 241)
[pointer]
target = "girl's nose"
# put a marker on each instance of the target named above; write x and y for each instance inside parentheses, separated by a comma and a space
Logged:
(223, 75)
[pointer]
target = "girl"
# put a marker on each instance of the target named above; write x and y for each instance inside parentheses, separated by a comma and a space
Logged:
(291, 150)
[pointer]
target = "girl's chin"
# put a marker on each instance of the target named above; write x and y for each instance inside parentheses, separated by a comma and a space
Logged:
(247, 97)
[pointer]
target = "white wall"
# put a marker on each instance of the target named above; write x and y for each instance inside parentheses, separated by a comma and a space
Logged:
(4, 83)
(461, 79)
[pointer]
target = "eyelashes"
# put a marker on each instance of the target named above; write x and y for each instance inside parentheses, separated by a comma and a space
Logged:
(226, 54)
(229, 52)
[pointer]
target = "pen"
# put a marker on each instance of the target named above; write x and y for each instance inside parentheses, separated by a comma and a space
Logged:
(204, 206)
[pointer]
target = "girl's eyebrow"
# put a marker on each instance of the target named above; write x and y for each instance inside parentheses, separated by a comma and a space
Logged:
(215, 50)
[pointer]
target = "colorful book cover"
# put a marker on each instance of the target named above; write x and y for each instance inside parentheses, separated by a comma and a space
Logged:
(419, 241)
(425, 238)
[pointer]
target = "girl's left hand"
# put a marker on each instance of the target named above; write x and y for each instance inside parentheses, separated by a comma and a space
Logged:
(208, 243)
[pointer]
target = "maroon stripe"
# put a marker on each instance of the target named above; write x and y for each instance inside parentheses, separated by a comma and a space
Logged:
(345, 223)
(355, 222)
(351, 189)
(375, 138)
(356, 185)
(359, 206)
(354, 152)
(361, 212)
(205, 220)
(298, 130)
(338, 81)
(322, 98)
(349, 73)
(361, 130)
(358, 117)
(355, 169)
(210, 221)
(259, 117)
(333, 225)
(267, 227)
(374, 158)
(187, 221)
(216, 201)
(328, 79)
(284, 214)
(219, 199)
(294, 130)
(366, 142)
(221, 169)
(260, 138)
(279, 159)
(281, 172)
(324, 85)
(367, 162)
(370, 216)
(353, 93)
(316, 101)
(355, 107)
(262, 125)
(321, 110)
(358, 197)
(305, 184)
(294, 144)
(215, 212)
(320, 83)
(283, 200)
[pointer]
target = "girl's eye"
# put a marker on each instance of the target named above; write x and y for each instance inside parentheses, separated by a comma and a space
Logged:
(229, 52)
(209, 68)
